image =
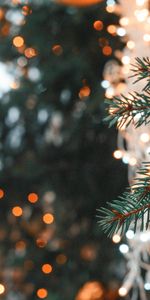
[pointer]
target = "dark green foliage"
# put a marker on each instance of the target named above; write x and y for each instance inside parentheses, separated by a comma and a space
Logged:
(76, 169)
(129, 208)
(134, 204)
(124, 110)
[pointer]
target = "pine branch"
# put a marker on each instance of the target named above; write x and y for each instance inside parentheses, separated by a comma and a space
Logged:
(135, 108)
(132, 206)
(123, 110)
(141, 70)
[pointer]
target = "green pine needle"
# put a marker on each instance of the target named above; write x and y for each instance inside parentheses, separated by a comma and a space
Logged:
(132, 206)
(134, 109)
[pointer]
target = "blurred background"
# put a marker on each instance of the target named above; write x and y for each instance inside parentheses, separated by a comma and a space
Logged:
(56, 152)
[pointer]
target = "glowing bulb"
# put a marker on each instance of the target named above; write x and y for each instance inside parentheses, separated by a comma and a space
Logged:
(110, 8)
(144, 137)
(117, 154)
(2, 289)
(1, 193)
(124, 248)
(47, 268)
(125, 60)
(130, 45)
(141, 15)
(107, 50)
(48, 218)
(98, 25)
(125, 159)
(33, 197)
(122, 291)
(18, 41)
(130, 234)
(105, 84)
(116, 238)
(121, 31)
(17, 211)
(147, 286)
(146, 37)
(42, 293)
(111, 29)
(124, 21)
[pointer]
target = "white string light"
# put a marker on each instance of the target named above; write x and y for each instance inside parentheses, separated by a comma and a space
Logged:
(133, 144)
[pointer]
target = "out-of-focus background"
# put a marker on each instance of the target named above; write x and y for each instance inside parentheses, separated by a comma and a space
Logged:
(56, 152)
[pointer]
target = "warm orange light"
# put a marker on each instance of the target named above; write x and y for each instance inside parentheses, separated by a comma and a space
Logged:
(41, 243)
(14, 85)
(48, 218)
(88, 252)
(117, 154)
(116, 238)
(20, 245)
(47, 268)
(98, 25)
(42, 293)
(2, 289)
(78, 2)
(1, 193)
(33, 197)
(110, 8)
(122, 291)
(17, 211)
(57, 50)
(107, 50)
(2, 13)
(26, 10)
(61, 259)
(30, 52)
(111, 29)
(91, 291)
(18, 41)
(5, 29)
(84, 92)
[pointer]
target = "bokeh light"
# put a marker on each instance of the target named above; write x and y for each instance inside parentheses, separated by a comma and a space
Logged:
(48, 218)
(42, 293)
(98, 25)
(47, 268)
(17, 211)
(2, 193)
(2, 289)
(18, 41)
(33, 197)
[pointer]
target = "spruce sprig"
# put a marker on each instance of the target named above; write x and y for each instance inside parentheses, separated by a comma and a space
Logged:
(141, 70)
(134, 108)
(133, 205)
(124, 110)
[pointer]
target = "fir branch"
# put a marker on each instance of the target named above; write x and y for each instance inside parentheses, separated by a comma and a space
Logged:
(123, 110)
(132, 206)
(136, 108)
(141, 70)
